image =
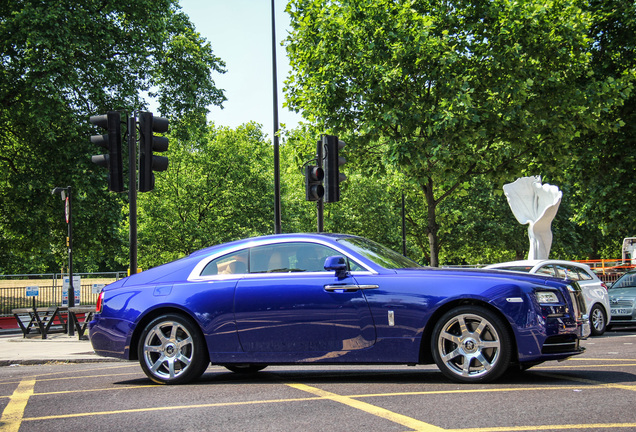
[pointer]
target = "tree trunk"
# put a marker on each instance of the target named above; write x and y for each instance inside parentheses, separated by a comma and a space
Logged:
(432, 228)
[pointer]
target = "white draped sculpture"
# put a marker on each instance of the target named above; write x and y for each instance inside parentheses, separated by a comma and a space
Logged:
(534, 204)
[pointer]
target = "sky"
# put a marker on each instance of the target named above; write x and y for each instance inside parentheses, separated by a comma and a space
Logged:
(240, 33)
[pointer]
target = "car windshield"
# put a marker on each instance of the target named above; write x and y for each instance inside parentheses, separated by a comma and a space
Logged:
(628, 280)
(377, 253)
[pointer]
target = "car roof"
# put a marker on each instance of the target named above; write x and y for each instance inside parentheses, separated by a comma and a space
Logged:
(534, 263)
(270, 238)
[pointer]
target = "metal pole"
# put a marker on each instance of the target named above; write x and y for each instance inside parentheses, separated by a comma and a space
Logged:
(403, 227)
(320, 215)
(71, 290)
(320, 205)
(277, 206)
(132, 191)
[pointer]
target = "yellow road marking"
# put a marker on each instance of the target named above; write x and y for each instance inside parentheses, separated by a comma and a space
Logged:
(14, 411)
(598, 359)
(39, 376)
(589, 381)
(350, 401)
(582, 366)
(368, 408)
(593, 426)
(165, 408)
(12, 417)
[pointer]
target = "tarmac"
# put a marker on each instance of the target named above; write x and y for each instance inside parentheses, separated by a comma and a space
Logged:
(56, 348)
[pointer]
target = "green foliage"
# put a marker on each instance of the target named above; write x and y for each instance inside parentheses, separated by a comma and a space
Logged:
(440, 102)
(445, 93)
(216, 190)
(60, 63)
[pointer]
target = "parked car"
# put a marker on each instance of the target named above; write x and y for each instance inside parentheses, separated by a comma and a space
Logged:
(332, 299)
(622, 295)
(594, 290)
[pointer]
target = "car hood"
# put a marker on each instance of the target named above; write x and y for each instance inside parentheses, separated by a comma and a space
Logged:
(503, 275)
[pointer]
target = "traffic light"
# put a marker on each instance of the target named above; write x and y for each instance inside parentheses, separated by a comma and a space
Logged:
(149, 143)
(314, 189)
(331, 165)
(111, 142)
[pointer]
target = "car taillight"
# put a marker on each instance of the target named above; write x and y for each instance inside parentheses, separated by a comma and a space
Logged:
(604, 286)
(100, 302)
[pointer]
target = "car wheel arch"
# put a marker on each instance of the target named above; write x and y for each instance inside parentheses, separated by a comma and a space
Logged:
(151, 315)
(426, 356)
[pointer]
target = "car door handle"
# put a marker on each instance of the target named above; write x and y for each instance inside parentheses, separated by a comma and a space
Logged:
(349, 287)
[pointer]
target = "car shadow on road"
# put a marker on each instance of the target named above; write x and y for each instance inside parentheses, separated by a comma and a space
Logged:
(533, 377)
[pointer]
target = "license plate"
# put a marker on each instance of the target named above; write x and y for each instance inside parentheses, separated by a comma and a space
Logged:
(621, 312)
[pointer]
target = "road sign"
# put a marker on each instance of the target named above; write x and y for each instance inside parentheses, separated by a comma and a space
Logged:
(76, 288)
(32, 291)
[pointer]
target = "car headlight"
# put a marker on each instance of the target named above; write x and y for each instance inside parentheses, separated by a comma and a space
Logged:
(544, 297)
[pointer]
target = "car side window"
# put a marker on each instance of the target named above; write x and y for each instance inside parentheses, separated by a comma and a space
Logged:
(270, 259)
(234, 263)
(546, 270)
(562, 272)
(572, 273)
(582, 274)
(291, 257)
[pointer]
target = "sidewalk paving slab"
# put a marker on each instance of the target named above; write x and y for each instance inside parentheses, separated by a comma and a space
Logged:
(58, 347)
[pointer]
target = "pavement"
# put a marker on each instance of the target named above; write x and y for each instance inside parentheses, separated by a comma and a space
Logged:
(57, 347)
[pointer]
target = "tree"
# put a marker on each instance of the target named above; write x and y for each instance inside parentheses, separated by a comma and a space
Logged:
(217, 189)
(60, 63)
(445, 91)
(602, 172)
(368, 206)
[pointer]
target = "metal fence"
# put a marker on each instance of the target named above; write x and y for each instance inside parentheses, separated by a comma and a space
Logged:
(50, 287)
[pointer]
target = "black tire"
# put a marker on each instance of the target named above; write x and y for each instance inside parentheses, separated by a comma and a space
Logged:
(172, 350)
(598, 320)
(470, 344)
(245, 368)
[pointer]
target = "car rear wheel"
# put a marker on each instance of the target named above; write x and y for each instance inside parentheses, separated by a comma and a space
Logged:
(172, 350)
(245, 368)
(471, 344)
(598, 320)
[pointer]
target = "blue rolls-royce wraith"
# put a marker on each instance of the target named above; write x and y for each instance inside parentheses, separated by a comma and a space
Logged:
(332, 299)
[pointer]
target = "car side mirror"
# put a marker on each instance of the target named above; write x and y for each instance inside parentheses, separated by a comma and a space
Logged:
(338, 264)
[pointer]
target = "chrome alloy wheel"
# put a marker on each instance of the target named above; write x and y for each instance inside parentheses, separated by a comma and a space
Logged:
(469, 346)
(168, 350)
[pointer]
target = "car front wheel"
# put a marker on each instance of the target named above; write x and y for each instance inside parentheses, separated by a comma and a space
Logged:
(470, 344)
(598, 320)
(172, 350)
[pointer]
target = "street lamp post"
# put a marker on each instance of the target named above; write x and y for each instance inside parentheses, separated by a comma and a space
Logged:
(65, 193)
(277, 206)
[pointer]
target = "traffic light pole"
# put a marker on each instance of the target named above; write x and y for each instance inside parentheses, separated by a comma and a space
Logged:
(320, 215)
(132, 190)
(320, 205)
